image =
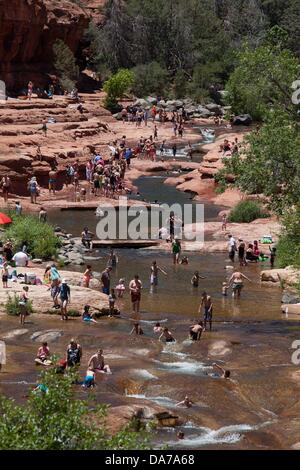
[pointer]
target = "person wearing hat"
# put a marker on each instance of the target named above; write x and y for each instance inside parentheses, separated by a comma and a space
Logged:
(65, 297)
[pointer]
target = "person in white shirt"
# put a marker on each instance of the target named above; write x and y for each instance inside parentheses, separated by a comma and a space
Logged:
(231, 247)
(21, 259)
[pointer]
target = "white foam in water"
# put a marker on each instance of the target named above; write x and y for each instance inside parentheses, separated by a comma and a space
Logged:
(153, 322)
(225, 435)
(145, 374)
(184, 367)
(165, 401)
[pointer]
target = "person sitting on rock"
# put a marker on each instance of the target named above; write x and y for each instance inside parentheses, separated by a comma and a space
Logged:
(43, 355)
(96, 363)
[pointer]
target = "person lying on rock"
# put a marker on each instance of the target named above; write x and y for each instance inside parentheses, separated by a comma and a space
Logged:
(186, 402)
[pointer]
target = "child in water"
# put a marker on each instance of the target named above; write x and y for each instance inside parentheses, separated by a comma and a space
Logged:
(184, 260)
(196, 278)
(137, 329)
(224, 289)
(89, 380)
(273, 256)
(112, 301)
(120, 288)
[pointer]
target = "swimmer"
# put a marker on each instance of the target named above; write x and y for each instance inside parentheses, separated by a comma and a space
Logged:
(120, 288)
(186, 402)
(220, 372)
(180, 435)
(196, 331)
(89, 380)
(184, 260)
(236, 281)
(166, 333)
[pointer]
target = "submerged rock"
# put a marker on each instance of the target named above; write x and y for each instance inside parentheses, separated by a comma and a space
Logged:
(47, 335)
(14, 333)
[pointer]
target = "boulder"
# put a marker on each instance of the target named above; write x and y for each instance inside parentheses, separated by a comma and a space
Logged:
(140, 103)
(118, 116)
(288, 298)
(213, 107)
(14, 333)
(47, 335)
(242, 120)
(37, 261)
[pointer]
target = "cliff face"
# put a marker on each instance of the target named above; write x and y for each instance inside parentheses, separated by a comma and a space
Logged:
(28, 29)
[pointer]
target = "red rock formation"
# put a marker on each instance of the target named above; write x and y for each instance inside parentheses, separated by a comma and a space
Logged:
(28, 29)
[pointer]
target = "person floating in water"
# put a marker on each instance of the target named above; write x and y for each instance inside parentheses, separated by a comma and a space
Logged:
(186, 402)
(219, 372)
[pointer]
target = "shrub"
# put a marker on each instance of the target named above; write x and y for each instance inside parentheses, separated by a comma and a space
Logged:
(149, 79)
(39, 237)
(247, 211)
(117, 85)
(12, 305)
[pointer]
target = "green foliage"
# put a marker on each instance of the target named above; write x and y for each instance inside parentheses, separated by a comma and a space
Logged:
(246, 211)
(262, 81)
(72, 312)
(12, 306)
(116, 86)
(39, 237)
(149, 79)
(57, 420)
(288, 246)
(269, 163)
(65, 64)
(180, 84)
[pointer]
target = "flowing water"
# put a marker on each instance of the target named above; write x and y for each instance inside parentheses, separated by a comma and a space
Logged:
(249, 337)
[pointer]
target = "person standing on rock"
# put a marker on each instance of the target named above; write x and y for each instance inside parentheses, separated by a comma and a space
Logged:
(33, 189)
(52, 181)
(86, 238)
(29, 90)
(174, 150)
(105, 279)
(206, 302)
(23, 304)
(135, 287)
(44, 127)
(65, 298)
(5, 185)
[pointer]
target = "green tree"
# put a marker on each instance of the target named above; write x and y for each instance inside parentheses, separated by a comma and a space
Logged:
(149, 78)
(54, 419)
(269, 162)
(262, 81)
(116, 86)
(65, 64)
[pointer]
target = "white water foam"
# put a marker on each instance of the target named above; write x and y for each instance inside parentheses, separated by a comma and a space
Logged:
(153, 322)
(205, 436)
(184, 367)
(163, 401)
(145, 374)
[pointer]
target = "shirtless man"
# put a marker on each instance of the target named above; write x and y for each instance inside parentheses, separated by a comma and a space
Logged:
(219, 372)
(196, 331)
(135, 287)
(154, 273)
(96, 363)
(206, 302)
(236, 281)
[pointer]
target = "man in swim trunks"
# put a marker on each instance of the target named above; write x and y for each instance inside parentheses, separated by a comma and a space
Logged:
(96, 363)
(135, 287)
(237, 283)
(105, 279)
(206, 302)
(196, 331)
